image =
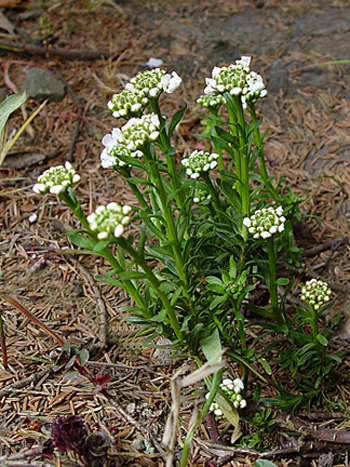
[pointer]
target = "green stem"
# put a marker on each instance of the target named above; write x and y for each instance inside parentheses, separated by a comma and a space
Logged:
(244, 158)
(213, 132)
(272, 282)
(237, 157)
(72, 203)
(169, 222)
(214, 194)
(168, 153)
(261, 157)
(156, 286)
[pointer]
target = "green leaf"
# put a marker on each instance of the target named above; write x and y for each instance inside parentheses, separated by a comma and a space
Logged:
(79, 240)
(70, 375)
(264, 463)
(138, 181)
(211, 344)
(101, 245)
(176, 119)
(9, 105)
(282, 281)
(128, 275)
(214, 280)
(83, 356)
(322, 340)
(265, 365)
(108, 280)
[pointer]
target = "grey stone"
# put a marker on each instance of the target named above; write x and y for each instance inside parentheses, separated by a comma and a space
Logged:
(41, 84)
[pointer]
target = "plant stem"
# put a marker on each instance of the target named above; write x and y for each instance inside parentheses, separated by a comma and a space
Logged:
(169, 223)
(272, 282)
(261, 156)
(72, 203)
(155, 284)
(168, 152)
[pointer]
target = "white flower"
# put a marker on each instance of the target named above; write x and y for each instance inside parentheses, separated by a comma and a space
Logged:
(118, 231)
(244, 61)
(265, 222)
(238, 383)
(170, 82)
(247, 222)
(109, 220)
(39, 188)
(243, 404)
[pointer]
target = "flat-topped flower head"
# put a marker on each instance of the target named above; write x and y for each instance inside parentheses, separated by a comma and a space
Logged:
(316, 293)
(238, 80)
(265, 222)
(110, 220)
(127, 104)
(232, 390)
(110, 156)
(57, 179)
(199, 162)
(211, 102)
(201, 194)
(137, 132)
(146, 85)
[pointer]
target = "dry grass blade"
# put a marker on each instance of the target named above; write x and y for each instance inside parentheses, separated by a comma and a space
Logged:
(28, 314)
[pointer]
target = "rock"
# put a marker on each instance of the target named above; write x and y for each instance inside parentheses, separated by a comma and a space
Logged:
(163, 355)
(41, 84)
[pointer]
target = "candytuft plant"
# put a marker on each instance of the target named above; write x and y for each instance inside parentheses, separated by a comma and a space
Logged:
(216, 225)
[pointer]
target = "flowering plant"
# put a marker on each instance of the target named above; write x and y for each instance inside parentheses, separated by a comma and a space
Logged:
(216, 224)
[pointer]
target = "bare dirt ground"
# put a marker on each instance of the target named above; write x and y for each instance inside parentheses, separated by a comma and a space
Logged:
(307, 113)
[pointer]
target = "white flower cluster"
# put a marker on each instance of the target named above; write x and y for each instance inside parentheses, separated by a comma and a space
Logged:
(110, 220)
(265, 222)
(57, 179)
(316, 293)
(209, 101)
(238, 80)
(200, 195)
(233, 390)
(137, 132)
(110, 155)
(199, 161)
(145, 85)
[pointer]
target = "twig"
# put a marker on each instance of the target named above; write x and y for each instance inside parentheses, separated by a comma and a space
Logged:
(33, 378)
(302, 427)
(324, 246)
(51, 51)
(334, 248)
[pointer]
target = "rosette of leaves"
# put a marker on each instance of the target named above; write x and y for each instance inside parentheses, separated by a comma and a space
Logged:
(232, 287)
(67, 357)
(68, 433)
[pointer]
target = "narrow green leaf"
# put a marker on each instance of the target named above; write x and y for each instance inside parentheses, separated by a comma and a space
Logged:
(9, 105)
(211, 344)
(176, 119)
(322, 340)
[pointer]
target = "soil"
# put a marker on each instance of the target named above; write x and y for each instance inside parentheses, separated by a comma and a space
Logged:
(307, 114)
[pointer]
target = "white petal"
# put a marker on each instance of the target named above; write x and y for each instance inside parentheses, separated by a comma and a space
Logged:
(238, 383)
(102, 235)
(127, 210)
(247, 222)
(57, 189)
(118, 231)
(39, 188)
